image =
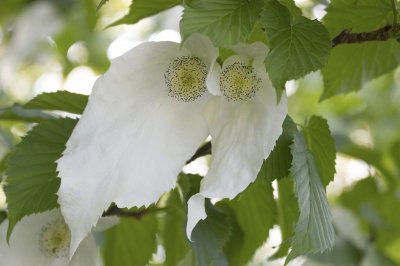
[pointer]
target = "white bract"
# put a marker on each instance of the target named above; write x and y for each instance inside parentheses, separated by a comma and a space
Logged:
(144, 120)
(44, 239)
(244, 121)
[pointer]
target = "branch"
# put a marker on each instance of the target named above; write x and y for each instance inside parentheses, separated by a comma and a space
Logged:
(115, 211)
(202, 151)
(382, 34)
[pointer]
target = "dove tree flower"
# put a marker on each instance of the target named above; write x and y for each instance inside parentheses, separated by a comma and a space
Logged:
(144, 119)
(44, 239)
(245, 120)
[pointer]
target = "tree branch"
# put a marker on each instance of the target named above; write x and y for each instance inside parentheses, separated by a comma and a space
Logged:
(382, 34)
(202, 151)
(115, 211)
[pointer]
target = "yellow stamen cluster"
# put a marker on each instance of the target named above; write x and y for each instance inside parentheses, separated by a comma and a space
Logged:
(54, 239)
(186, 78)
(238, 82)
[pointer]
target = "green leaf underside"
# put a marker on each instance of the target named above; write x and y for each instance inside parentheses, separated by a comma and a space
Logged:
(350, 66)
(175, 243)
(225, 22)
(18, 113)
(131, 242)
(278, 163)
(288, 214)
(32, 180)
(322, 146)
(314, 231)
(298, 45)
(209, 237)
(140, 9)
(359, 16)
(255, 211)
(59, 101)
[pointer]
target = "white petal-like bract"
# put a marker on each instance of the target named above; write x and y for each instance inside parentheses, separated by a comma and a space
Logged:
(244, 123)
(144, 120)
(44, 239)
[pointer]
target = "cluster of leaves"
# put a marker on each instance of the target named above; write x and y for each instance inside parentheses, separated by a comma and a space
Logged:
(302, 162)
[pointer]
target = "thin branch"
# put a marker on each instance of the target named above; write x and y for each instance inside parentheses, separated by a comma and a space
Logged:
(202, 151)
(382, 34)
(115, 211)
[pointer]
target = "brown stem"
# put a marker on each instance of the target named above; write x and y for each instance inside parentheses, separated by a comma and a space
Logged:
(115, 211)
(382, 34)
(202, 151)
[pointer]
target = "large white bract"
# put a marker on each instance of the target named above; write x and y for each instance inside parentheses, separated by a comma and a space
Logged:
(144, 120)
(44, 239)
(147, 116)
(245, 120)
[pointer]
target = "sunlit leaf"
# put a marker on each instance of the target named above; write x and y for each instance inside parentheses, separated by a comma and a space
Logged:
(359, 16)
(131, 242)
(314, 230)
(322, 146)
(288, 214)
(59, 101)
(226, 22)
(18, 113)
(140, 9)
(101, 4)
(350, 66)
(173, 234)
(255, 211)
(298, 45)
(32, 180)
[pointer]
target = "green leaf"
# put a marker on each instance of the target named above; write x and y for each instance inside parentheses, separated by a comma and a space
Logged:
(101, 4)
(314, 231)
(140, 9)
(173, 234)
(298, 45)
(322, 146)
(359, 16)
(209, 236)
(364, 62)
(225, 22)
(291, 6)
(255, 211)
(278, 162)
(18, 113)
(131, 242)
(32, 180)
(59, 101)
(288, 214)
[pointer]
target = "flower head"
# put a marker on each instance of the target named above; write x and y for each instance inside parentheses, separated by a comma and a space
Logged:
(143, 121)
(244, 122)
(44, 239)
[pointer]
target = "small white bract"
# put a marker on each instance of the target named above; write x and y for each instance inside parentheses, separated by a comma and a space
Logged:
(44, 239)
(244, 122)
